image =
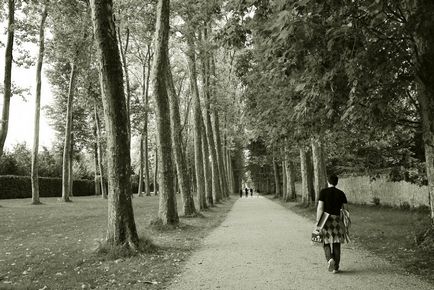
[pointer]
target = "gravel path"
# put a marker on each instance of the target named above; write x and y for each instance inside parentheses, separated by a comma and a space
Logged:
(262, 245)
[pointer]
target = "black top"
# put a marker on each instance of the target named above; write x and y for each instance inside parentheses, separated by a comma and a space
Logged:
(333, 199)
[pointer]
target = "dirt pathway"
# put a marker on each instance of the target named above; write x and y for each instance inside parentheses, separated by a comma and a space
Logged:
(262, 245)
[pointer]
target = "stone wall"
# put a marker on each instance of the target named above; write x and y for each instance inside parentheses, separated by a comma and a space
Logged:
(363, 190)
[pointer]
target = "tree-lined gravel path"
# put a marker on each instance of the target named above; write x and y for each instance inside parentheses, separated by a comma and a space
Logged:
(262, 245)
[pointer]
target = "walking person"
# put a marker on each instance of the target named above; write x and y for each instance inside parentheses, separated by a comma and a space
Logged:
(241, 192)
(251, 191)
(331, 201)
(246, 190)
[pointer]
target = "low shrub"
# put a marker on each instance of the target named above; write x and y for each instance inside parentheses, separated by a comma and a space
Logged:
(20, 187)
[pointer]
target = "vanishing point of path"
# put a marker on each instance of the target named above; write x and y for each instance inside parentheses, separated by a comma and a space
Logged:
(262, 245)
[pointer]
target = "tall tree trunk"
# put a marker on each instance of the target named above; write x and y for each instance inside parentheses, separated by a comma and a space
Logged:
(100, 151)
(284, 181)
(70, 172)
(219, 151)
(320, 172)
(167, 212)
(181, 165)
(232, 188)
(306, 176)
(35, 149)
(66, 188)
(4, 121)
(277, 189)
(95, 162)
(140, 187)
(121, 228)
(216, 188)
(424, 36)
(146, 159)
(224, 157)
(290, 182)
(144, 134)
(145, 92)
(197, 127)
(208, 198)
(123, 50)
(156, 173)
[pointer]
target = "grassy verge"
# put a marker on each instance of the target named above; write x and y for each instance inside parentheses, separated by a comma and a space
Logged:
(53, 246)
(390, 233)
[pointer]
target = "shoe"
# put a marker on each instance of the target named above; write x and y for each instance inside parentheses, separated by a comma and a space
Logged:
(331, 265)
(335, 271)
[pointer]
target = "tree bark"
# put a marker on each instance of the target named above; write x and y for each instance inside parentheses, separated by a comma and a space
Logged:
(140, 187)
(7, 83)
(144, 165)
(277, 189)
(197, 127)
(232, 188)
(424, 40)
(95, 162)
(144, 162)
(208, 198)
(156, 172)
(100, 152)
(123, 50)
(167, 208)
(290, 182)
(320, 172)
(145, 91)
(219, 152)
(66, 188)
(225, 164)
(215, 178)
(306, 176)
(121, 228)
(35, 148)
(180, 162)
(70, 172)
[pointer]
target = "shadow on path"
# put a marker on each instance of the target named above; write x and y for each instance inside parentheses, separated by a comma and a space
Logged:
(262, 245)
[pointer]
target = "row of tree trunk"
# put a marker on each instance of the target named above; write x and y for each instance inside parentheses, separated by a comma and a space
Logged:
(313, 173)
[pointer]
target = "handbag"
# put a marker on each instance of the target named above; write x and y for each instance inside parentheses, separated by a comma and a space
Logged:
(317, 235)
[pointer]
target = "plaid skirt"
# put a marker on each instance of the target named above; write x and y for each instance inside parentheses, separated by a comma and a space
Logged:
(334, 230)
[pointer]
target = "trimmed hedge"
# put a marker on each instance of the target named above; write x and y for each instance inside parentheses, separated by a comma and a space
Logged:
(20, 187)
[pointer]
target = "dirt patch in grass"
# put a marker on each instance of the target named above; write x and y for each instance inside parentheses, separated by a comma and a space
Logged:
(54, 245)
(390, 233)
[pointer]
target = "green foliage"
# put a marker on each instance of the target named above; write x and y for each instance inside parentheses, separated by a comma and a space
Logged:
(17, 161)
(345, 71)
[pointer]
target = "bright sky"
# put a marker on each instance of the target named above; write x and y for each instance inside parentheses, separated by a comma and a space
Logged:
(22, 112)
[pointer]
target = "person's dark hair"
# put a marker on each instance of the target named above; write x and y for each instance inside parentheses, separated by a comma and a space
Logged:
(333, 179)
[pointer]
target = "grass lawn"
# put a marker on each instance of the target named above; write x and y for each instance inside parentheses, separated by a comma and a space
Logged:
(391, 233)
(52, 246)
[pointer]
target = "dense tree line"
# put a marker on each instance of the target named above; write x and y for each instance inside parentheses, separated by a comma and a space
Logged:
(141, 88)
(339, 85)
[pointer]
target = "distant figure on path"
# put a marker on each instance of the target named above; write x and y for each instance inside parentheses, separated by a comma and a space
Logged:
(332, 200)
(251, 191)
(241, 192)
(246, 190)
